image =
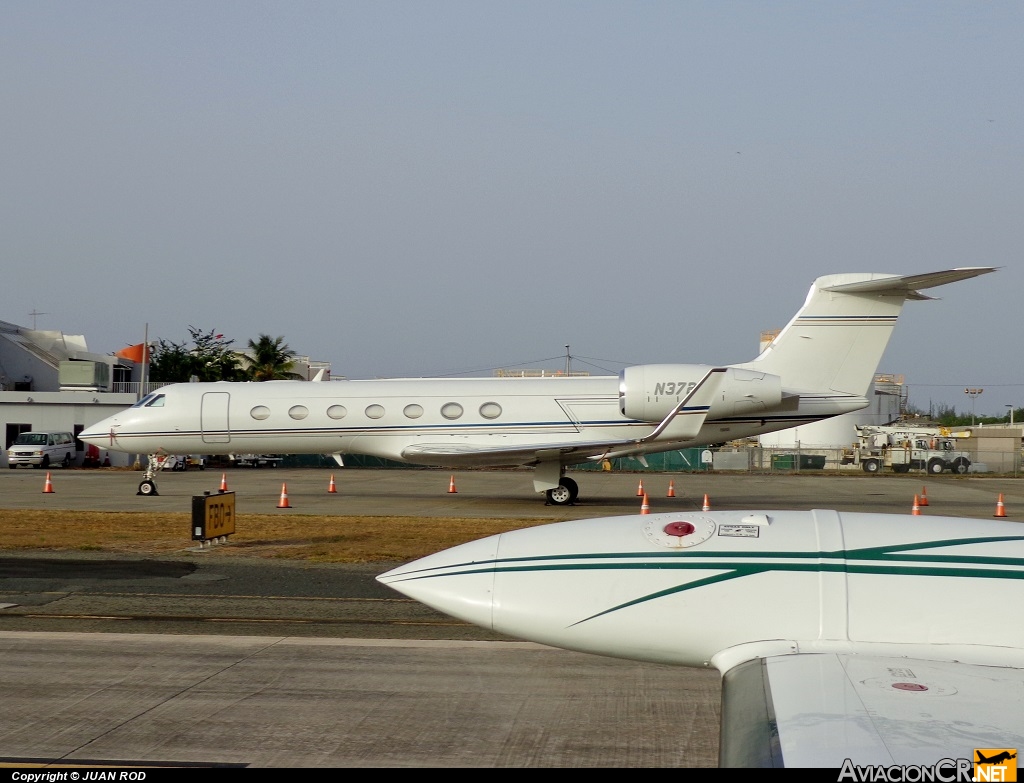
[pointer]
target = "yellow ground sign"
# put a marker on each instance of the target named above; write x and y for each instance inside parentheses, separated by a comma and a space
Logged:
(213, 516)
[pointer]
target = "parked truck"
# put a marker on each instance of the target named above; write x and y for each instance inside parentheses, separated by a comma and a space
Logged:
(256, 460)
(933, 449)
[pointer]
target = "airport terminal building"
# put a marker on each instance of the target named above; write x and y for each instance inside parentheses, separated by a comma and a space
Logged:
(51, 382)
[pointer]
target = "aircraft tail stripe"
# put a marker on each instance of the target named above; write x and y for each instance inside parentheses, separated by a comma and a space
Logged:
(846, 320)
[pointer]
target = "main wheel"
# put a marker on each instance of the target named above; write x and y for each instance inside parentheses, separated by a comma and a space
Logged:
(565, 493)
(147, 487)
(936, 466)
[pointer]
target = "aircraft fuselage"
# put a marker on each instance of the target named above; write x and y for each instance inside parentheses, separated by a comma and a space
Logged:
(464, 421)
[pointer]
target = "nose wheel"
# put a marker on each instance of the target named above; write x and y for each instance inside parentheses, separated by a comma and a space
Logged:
(147, 487)
(565, 493)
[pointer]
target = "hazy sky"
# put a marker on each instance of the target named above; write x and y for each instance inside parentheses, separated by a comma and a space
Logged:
(427, 188)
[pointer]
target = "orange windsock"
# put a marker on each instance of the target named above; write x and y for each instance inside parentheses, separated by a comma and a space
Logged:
(135, 353)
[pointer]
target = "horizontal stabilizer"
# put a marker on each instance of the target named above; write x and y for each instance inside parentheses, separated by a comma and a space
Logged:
(907, 285)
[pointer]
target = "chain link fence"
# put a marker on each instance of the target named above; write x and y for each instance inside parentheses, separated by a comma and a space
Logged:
(788, 460)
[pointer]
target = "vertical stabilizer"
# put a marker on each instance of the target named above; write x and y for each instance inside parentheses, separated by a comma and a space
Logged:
(836, 340)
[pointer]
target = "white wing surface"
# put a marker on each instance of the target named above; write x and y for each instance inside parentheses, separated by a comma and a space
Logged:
(818, 710)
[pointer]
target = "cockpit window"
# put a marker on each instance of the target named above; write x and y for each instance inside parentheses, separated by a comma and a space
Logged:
(145, 400)
(156, 402)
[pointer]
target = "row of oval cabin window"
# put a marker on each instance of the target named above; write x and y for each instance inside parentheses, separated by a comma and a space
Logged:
(450, 410)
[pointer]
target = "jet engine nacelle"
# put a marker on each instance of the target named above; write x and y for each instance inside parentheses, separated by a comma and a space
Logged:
(649, 392)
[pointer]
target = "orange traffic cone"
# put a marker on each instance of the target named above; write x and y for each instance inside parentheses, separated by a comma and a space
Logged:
(645, 507)
(924, 497)
(1000, 508)
(451, 486)
(48, 486)
(640, 489)
(283, 502)
(916, 510)
(223, 482)
(707, 503)
(332, 488)
(671, 489)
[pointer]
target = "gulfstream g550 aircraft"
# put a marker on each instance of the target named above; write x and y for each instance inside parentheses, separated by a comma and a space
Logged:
(845, 641)
(821, 365)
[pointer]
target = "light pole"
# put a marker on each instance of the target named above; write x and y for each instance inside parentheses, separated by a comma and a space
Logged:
(1011, 414)
(973, 394)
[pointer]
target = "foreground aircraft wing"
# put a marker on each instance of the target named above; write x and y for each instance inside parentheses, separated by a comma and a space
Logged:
(821, 710)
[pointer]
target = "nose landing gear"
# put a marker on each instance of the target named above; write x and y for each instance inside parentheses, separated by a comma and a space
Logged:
(154, 463)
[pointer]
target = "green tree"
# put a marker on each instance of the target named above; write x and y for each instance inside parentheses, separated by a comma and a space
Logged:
(209, 358)
(270, 359)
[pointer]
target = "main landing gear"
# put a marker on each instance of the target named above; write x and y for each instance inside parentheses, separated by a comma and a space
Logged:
(564, 494)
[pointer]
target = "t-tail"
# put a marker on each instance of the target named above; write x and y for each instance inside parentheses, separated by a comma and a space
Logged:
(836, 340)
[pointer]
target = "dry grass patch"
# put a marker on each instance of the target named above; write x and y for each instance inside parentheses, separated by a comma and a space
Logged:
(324, 539)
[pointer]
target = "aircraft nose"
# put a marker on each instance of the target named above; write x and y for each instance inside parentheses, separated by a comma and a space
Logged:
(458, 581)
(97, 433)
(89, 435)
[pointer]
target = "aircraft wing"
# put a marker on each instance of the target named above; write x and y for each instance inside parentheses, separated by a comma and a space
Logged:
(819, 710)
(526, 454)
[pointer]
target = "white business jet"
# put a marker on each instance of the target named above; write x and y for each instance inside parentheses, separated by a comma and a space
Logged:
(849, 641)
(820, 365)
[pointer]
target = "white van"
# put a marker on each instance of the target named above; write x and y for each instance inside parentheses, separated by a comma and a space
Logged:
(42, 449)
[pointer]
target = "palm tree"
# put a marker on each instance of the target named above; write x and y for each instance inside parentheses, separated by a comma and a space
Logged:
(271, 359)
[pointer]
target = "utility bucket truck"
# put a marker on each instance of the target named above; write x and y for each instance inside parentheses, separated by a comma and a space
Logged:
(903, 449)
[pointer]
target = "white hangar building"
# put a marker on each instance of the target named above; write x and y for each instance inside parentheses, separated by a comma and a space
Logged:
(50, 381)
